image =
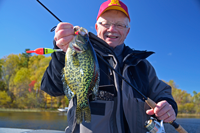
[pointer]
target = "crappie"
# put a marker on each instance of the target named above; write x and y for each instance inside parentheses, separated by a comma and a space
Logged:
(81, 73)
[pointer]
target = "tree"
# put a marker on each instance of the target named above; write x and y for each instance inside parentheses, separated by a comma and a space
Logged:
(21, 82)
(9, 68)
(196, 100)
(5, 100)
(1, 71)
(182, 98)
(3, 86)
(2, 83)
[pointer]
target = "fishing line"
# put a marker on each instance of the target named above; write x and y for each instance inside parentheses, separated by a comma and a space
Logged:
(151, 103)
(49, 11)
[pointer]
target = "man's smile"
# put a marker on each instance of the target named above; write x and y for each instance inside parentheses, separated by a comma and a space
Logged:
(111, 36)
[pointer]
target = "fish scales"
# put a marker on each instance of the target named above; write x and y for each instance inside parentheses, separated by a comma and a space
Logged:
(81, 74)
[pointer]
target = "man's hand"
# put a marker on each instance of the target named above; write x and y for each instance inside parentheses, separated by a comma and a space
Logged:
(64, 33)
(163, 111)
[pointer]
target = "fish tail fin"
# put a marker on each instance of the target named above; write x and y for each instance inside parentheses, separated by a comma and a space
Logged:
(83, 113)
(79, 117)
(87, 114)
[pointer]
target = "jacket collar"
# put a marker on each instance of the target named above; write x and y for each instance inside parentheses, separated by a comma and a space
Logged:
(134, 56)
(128, 54)
(100, 44)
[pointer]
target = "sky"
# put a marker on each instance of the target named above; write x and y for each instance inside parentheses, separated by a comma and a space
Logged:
(170, 28)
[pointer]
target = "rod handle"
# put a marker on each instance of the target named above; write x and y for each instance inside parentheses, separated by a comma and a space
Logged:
(151, 103)
(180, 129)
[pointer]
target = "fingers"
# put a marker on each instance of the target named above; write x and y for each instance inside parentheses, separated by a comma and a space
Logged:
(170, 116)
(163, 111)
(64, 33)
(63, 25)
(150, 112)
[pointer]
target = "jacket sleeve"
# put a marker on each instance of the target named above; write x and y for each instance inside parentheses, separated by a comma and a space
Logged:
(159, 89)
(51, 82)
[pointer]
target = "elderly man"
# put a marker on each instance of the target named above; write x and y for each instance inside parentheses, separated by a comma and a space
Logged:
(122, 109)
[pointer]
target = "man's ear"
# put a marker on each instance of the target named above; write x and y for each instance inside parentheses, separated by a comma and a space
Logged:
(96, 26)
(128, 31)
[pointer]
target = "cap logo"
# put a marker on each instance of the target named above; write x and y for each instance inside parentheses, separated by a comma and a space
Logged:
(114, 2)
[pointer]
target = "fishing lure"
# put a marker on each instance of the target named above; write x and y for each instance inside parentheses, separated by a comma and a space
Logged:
(42, 51)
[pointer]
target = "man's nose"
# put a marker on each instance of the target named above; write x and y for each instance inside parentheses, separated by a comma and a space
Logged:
(112, 27)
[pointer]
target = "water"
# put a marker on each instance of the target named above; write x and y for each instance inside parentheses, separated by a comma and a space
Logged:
(34, 120)
(58, 121)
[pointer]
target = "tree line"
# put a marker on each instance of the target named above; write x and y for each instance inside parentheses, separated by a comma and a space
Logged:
(20, 79)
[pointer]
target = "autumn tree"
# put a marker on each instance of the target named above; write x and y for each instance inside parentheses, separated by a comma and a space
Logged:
(2, 83)
(9, 68)
(185, 101)
(5, 99)
(1, 71)
(196, 100)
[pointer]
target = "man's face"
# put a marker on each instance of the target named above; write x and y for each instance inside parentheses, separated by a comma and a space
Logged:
(113, 35)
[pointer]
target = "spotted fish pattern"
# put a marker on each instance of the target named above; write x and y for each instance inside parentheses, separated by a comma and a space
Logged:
(81, 73)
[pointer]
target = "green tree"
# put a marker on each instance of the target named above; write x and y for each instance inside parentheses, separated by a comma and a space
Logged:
(1, 71)
(182, 98)
(196, 100)
(21, 82)
(2, 86)
(189, 108)
(2, 83)
(24, 59)
(9, 68)
(5, 99)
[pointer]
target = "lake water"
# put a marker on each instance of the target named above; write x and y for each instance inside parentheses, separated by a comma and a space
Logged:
(58, 121)
(34, 120)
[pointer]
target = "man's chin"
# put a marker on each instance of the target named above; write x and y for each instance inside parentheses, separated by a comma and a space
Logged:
(111, 44)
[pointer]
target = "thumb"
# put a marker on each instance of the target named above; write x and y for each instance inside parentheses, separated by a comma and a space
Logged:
(150, 112)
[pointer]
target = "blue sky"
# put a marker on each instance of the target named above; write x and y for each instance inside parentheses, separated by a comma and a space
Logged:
(170, 28)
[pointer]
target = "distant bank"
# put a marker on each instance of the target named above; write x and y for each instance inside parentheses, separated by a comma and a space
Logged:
(56, 110)
(28, 110)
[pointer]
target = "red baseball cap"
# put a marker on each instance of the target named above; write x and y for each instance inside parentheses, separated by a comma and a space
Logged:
(113, 4)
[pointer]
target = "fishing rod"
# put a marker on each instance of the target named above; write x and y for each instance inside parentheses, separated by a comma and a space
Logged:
(150, 102)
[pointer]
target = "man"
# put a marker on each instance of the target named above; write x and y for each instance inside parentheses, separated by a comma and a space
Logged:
(122, 109)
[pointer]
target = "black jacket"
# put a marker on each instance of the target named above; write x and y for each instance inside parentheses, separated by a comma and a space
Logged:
(122, 104)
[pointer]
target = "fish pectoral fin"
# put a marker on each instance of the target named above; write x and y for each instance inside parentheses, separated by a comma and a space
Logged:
(68, 92)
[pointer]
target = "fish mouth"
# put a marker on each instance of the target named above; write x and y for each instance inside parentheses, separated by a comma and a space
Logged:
(76, 48)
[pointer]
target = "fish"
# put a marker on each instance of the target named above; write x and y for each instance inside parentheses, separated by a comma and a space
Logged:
(81, 73)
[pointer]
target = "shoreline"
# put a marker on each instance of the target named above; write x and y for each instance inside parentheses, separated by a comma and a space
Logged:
(188, 115)
(28, 110)
(55, 110)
